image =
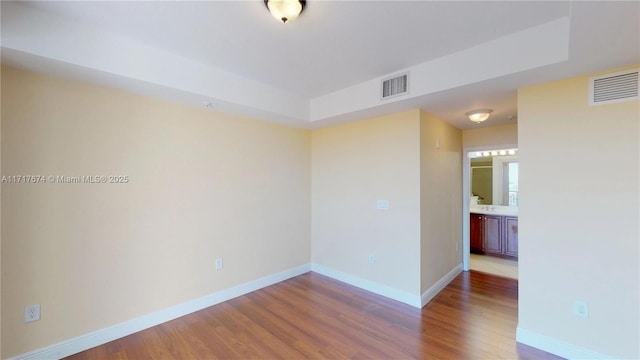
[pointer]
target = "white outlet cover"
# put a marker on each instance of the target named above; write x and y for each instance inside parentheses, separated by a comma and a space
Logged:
(382, 204)
(32, 313)
(581, 309)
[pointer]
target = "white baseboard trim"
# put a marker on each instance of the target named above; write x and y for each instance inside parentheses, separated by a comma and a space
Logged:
(556, 347)
(439, 285)
(374, 287)
(103, 336)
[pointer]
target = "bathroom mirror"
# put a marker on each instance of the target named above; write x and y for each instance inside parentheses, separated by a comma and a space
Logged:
(494, 177)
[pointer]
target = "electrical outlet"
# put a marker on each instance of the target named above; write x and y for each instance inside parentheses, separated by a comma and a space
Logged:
(372, 259)
(32, 313)
(581, 309)
(382, 204)
(219, 264)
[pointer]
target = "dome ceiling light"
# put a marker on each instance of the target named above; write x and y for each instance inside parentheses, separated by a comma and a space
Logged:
(478, 116)
(285, 10)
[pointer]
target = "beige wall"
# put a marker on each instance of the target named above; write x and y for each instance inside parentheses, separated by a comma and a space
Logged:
(579, 227)
(353, 165)
(440, 199)
(488, 136)
(202, 185)
(482, 184)
(0, 221)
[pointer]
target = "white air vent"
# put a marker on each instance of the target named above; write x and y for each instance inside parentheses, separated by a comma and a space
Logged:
(612, 88)
(397, 85)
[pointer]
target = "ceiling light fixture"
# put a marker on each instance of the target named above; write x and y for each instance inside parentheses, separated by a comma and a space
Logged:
(285, 10)
(478, 116)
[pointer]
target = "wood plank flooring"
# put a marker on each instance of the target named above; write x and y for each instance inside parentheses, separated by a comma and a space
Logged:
(315, 317)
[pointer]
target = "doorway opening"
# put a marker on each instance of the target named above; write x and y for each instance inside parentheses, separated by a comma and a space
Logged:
(490, 209)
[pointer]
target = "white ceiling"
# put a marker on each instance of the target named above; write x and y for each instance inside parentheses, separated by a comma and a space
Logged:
(325, 67)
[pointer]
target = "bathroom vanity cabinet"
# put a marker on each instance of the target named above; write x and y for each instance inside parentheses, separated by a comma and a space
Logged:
(495, 235)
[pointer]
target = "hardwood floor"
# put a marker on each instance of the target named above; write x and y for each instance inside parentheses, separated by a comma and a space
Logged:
(315, 317)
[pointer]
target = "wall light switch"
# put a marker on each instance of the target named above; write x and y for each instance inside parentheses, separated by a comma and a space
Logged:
(382, 204)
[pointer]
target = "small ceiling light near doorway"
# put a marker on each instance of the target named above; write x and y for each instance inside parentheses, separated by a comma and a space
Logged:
(285, 10)
(478, 116)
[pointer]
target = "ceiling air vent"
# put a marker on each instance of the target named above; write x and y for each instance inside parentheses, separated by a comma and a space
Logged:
(612, 88)
(397, 85)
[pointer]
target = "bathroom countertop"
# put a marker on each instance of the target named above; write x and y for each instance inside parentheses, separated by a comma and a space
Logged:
(494, 210)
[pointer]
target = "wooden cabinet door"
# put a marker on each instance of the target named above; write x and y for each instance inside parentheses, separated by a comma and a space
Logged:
(511, 236)
(475, 233)
(492, 234)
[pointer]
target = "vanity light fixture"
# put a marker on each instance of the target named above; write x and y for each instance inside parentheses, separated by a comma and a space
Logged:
(285, 10)
(478, 116)
(488, 153)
